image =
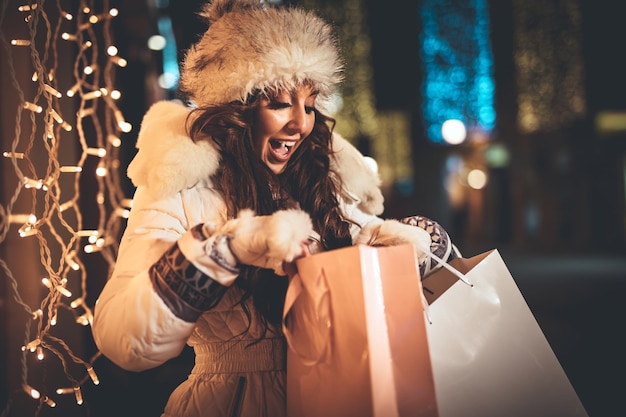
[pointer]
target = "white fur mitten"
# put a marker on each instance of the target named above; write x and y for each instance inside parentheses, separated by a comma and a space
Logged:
(392, 232)
(267, 241)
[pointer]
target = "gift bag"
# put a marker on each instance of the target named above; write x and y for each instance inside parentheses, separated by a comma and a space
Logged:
(489, 356)
(355, 327)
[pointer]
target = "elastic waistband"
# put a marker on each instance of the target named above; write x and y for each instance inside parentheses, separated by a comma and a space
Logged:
(240, 356)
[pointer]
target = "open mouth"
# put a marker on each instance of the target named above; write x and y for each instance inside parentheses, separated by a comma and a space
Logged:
(281, 149)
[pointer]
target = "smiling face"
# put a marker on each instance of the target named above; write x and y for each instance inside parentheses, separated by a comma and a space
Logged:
(283, 121)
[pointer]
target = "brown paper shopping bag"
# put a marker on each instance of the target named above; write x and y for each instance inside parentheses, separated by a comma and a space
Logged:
(355, 327)
(489, 356)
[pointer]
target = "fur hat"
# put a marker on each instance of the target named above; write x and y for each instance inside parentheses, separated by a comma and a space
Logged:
(250, 46)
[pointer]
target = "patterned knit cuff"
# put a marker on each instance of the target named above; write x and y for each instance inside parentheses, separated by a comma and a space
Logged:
(440, 243)
(186, 290)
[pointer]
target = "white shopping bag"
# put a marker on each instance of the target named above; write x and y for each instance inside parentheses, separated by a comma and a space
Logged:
(489, 356)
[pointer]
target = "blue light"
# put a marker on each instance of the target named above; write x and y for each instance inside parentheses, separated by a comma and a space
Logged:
(170, 60)
(458, 65)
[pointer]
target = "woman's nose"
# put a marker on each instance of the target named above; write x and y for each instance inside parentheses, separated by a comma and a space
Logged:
(299, 120)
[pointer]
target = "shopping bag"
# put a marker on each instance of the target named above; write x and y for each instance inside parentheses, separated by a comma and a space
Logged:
(355, 327)
(489, 356)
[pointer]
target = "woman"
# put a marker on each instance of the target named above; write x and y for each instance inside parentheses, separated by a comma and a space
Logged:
(228, 194)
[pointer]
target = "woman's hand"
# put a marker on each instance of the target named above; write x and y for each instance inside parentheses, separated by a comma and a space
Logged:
(268, 241)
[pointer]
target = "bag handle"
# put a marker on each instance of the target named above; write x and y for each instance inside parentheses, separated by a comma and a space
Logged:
(450, 268)
(444, 264)
(319, 294)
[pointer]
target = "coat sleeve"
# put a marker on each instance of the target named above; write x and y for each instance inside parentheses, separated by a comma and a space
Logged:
(133, 325)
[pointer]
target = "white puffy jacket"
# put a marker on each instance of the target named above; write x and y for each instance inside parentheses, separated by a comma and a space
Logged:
(135, 328)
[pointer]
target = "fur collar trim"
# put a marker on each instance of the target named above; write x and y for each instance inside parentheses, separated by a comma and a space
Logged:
(168, 161)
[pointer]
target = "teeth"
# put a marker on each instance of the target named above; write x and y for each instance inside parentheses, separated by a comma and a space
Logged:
(288, 145)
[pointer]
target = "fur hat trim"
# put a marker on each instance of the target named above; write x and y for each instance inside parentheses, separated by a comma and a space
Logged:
(250, 47)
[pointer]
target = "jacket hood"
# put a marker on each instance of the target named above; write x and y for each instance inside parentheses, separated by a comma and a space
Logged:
(168, 161)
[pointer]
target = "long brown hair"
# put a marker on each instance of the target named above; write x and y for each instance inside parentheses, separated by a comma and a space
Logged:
(244, 181)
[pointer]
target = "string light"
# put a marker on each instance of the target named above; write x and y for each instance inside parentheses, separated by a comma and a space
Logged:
(20, 42)
(49, 402)
(72, 91)
(53, 91)
(31, 391)
(70, 169)
(39, 353)
(68, 37)
(93, 376)
(27, 7)
(119, 61)
(92, 94)
(65, 391)
(57, 226)
(32, 107)
(79, 395)
(100, 152)
(16, 155)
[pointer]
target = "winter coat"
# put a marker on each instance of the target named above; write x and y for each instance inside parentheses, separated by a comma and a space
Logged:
(174, 193)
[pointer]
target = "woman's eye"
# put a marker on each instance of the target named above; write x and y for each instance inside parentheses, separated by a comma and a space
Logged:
(279, 105)
(309, 109)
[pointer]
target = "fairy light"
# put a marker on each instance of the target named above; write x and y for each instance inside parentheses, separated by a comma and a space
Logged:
(67, 205)
(31, 183)
(93, 376)
(115, 141)
(64, 291)
(115, 94)
(87, 233)
(68, 36)
(92, 94)
(83, 320)
(99, 152)
(27, 7)
(66, 126)
(16, 155)
(20, 42)
(119, 61)
(31, 346)
(56, 116)
(52, 91)
(65, 391)
(23, 218)
(71, 169)
(90, 69)
(49, 402)
(101, 170)
(72, 91)
(55, 224)
(79, 395)
(31, 391)
(27, 229)
(32, 107)
(122, 212)
(46, 281)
